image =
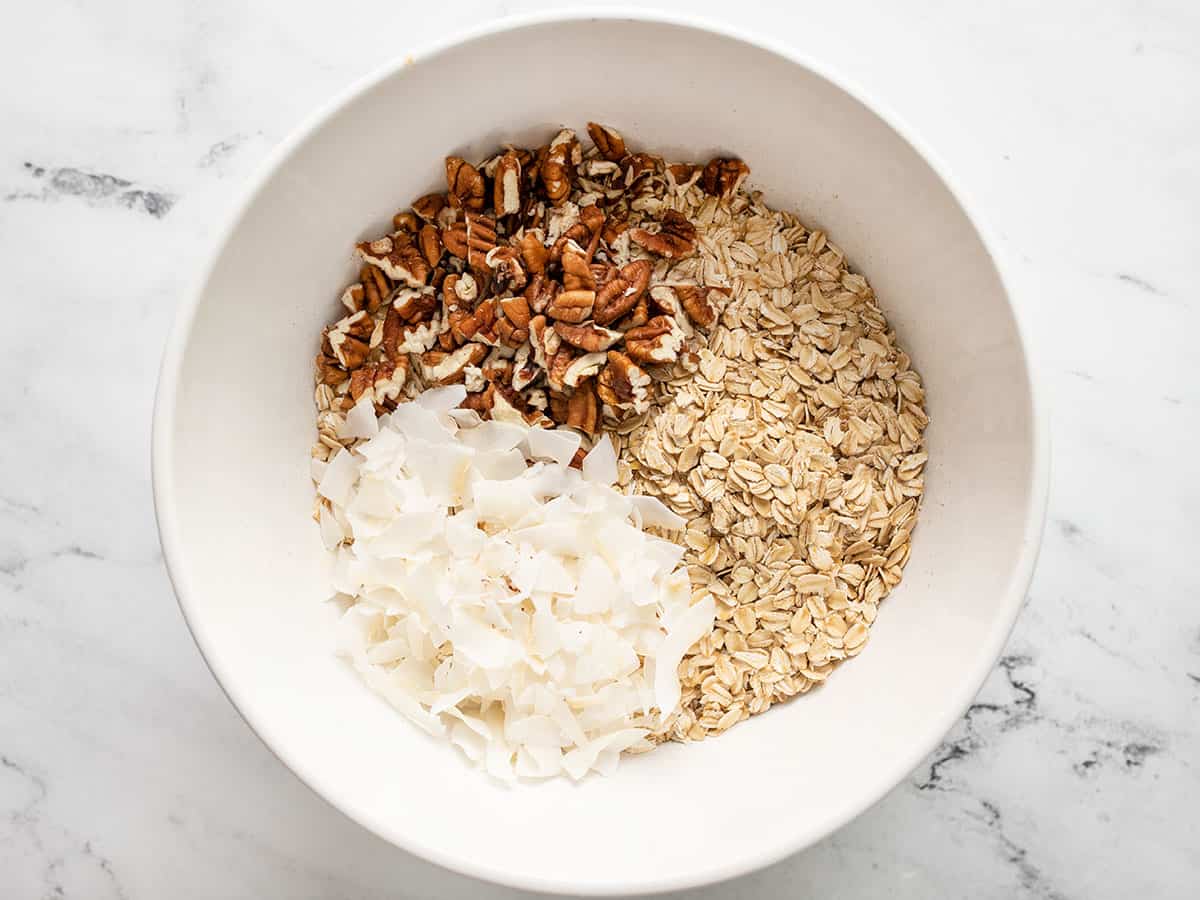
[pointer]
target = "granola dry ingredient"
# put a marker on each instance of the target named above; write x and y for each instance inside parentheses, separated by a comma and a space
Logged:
(746, 378)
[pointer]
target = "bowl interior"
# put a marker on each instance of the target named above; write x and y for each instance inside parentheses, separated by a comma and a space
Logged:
(235, 422)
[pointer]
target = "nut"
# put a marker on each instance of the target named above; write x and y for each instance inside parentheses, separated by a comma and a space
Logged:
(481, 402)
(506, 265)
(592, 218)
(507, 187)
(571, 306)
(429, 206)
(405, 221)
(349, 339)
(397, 256)
(557, 170)
(722, 176)
(382, 382)
(431, 244)
(375, 288)
(588, 337)
(353, 296)
(638, 165)
(524, 369)
(413, 305)
(534, 253)
(622, 384)
(539, 332)
(654, 343)
(700, 303)
(577, 274)
(440, 367)
(683, 174)
(471, 239)
(610, 144)
(583, 409)
(622, 293)
(559, 407)
(516, 310)
(464, 184)
(675, 238)
(582, 367)
(557, 364)
(329, 371)
(541, 293)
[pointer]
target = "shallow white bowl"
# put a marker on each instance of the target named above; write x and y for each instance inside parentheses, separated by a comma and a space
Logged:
(234, 421)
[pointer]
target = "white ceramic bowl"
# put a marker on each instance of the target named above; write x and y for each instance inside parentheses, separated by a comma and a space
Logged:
(234, 422)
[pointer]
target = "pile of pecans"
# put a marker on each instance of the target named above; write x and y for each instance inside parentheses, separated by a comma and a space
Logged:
(540, 280)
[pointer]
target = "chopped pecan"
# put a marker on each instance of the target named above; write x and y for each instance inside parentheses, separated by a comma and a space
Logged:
(638, 317)
(329, 371)
(683, 174)
(592, 218)
(700, 303)
(413, 305)
(512, 334)
(481, 401)
(382, 382)
(507, 189)
(353, 296)
(464, 183)
(571, 306)
(440, 367)
(583, 409)
(610, 144)
(614, 227)
(397, 256)
(639, 165)
(654, 343)
(622, 293)
(577, 274)
(577, 459)
(541, 292)
(431, 244)
(588, 337)
(582, 367)
(557, 364)
(622, 384)
(471, 239)
(505, 263)
(376, 288)
(534, 253)
(405, 221)
(349, 339)
(516, 310)
(524, 370)
(560, 406)
(539, 332)
(429, 206)
(675, 238)
(557, 170)
(393, 334)
(465, 287)
(722, 176)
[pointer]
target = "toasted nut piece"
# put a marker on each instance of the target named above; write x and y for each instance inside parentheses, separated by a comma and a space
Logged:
(471, 239)
(541, 292)
(414, 305)
(623, 385)
(588, 337)
(349, 339)
(701, 303)
(524, 370)
(610, 144)
(510, 334)
(507, 190)
(393, 334)
(583, 409)
(375, 288)
(654, 343)
(557, 170)
(559, 407)
(516, 310)
(440, 367)
(431, 244)
(329, 371)
(577, 459)
(675, 238)
(723, 176)
(592, 218)
(429, 206)
(353, 296)
(382, 382)
(683, 174)
(539, 331)
(534, 253)
(397, 256)
(637, 165)
(557, 365)
(481, 401)
(577, 274)
(571, 306)
(614, 227)
(464, 184)
(582, 367)
(505, 263)
(405, 221)
(622, 293)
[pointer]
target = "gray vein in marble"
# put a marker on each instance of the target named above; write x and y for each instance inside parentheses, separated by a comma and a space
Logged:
(1141, 283)
(1029, 876)
(93, 188)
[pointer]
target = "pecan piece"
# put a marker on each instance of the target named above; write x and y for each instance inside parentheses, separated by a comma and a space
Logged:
(675, 238)
(413, 305)
(513, 328)
(700, 303)
(471, 239)
(541, 293)
(329, 371)
(638, 165)
(722, 176)
(589, 336)
(375, 288)
(534, 253)
(557, 170)
(654, 343)
(349, 340)
(505, 263)
(397, 256)
(621, 294)
(353, 296)
(429, 206)
(481, 401)
(622, 384)
(382, 382)
(583, 409)
(571, 306)
(683, 174)
(582, 367)
(577, 274)
(610, 144)
(431, 244)
(507, 188)
(440, 367)
(405, 221)
(559, 407)
(557, 365)
(464, 183)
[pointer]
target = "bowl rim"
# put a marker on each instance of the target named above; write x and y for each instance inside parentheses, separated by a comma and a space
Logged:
(163, 487)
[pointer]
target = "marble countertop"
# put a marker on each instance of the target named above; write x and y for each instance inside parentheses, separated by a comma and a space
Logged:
(128, 131)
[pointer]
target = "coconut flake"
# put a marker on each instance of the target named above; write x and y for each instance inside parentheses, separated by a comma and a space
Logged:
(360, 421)
(600, 464)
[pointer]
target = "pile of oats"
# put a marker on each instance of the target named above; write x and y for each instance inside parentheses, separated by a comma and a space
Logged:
(793, 447)
(749, 378)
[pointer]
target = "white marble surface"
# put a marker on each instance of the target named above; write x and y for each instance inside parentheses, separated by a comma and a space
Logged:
(128, 128)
